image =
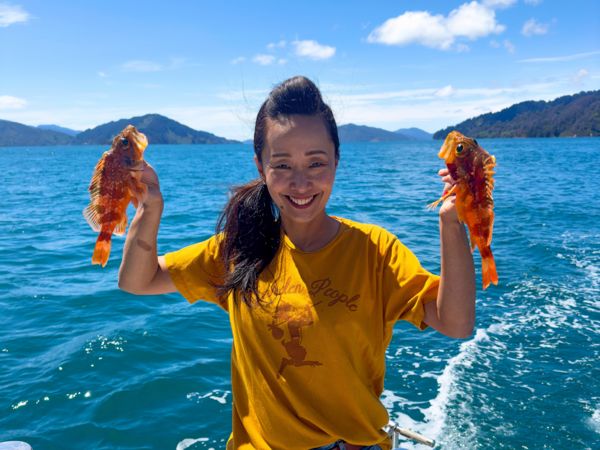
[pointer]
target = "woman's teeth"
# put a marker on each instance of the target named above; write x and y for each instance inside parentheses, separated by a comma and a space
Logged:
(301, 201)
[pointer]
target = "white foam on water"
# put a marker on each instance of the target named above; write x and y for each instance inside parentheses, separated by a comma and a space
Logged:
(182, 445)
(593, 422)
(436, 414)
(217, 395)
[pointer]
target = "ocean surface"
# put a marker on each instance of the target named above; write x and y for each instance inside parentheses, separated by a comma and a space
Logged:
(86, 366)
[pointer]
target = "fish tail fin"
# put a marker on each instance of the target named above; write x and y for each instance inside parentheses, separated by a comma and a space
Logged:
(488, 268)
(102, 249)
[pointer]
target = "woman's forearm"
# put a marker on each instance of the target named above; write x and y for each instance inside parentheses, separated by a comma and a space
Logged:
(456, 295)
(140, 255)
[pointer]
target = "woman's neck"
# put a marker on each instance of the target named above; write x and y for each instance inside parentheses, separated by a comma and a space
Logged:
(312, 236)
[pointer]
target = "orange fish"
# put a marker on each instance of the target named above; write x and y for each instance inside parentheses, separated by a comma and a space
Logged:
(472, 168)
(113, 186)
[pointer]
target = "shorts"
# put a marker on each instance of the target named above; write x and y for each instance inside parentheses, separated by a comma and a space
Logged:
(341, 445)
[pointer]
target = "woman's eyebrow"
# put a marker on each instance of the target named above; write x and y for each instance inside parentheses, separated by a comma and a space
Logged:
(279, 155)
(316, 152)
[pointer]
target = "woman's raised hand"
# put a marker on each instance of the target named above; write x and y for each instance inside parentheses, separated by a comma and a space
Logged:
(152, 197)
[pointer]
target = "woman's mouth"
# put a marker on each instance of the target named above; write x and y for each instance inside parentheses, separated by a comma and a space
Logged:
(301, 202)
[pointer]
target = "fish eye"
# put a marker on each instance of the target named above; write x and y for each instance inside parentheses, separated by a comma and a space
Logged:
(124, 142)
(459, 148)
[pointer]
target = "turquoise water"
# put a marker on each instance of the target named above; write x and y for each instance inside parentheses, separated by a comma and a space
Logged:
(84, 365)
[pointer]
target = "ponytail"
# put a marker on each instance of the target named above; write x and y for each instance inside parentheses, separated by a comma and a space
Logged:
(251, 236)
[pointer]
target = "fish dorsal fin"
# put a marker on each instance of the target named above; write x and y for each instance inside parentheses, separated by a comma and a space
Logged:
(489, 165)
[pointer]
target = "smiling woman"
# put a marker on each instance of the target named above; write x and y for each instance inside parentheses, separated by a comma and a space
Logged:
(312, 298)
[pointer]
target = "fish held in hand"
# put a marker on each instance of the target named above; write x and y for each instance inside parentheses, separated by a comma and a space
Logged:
(472, 168)
(113, 187)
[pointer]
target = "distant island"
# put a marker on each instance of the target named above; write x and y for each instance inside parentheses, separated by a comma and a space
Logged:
(571, 115)
(159, 130)
(361, 133)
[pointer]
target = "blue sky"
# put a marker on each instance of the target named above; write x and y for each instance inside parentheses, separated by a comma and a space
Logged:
(209, 65)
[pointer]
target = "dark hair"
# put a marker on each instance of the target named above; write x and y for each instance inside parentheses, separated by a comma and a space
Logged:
(250, 223)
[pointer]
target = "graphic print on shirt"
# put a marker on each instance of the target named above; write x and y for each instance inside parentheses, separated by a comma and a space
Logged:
(295, 319)
(294, 315)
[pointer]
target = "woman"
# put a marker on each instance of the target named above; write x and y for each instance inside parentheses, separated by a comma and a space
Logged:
(312, 299)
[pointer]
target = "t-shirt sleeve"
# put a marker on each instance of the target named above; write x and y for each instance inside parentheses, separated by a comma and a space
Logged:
(196, 269)
(406, 285)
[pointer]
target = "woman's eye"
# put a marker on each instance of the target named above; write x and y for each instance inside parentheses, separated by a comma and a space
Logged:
(281, 166)
(317, 164)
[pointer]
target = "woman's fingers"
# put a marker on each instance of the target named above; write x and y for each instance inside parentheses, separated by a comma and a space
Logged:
(446, 179)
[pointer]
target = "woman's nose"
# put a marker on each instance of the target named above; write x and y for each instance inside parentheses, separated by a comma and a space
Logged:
(300, 180)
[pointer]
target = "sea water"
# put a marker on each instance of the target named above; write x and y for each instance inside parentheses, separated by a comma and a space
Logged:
(85, 365)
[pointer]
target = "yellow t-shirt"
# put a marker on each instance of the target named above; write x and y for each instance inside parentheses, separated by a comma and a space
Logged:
(308, 365)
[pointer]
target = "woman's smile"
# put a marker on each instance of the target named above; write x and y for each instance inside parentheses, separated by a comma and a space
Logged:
(301, 202)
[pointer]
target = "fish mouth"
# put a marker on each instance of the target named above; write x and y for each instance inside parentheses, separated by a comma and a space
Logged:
(446, 152)
(141, 141)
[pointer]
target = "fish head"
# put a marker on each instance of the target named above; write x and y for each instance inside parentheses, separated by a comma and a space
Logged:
(458, 149)
(131, 143)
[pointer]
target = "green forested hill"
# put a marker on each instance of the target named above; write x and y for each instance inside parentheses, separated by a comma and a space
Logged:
(571, 115)
(158, 129)
(16, 134)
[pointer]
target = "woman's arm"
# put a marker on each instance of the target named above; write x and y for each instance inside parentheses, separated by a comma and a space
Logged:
(453, 314)
(142, 271)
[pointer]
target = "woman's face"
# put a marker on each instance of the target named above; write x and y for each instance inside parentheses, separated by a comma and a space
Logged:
(298, 165)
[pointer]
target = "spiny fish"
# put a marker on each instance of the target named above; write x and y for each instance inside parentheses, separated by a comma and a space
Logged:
(113, 186)
(472, 168)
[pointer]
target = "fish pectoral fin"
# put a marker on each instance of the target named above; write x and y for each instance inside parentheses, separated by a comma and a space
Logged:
(92, 217)
(443, 197)
(121, 226)
(138, 166)
(137, 190)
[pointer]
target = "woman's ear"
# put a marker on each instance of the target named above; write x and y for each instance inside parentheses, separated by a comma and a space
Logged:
(259, 166)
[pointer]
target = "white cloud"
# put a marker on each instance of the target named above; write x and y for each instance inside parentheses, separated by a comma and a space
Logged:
(446, 91)
(10, 102)
(499, 3)
(142, 66)
(281, 61)
(139, 65)
(275, 45)
(413, 27)
(532, 27)
(580, 76)
(102, 74)
(313, 50)
(11, 14)
(509, 46)
(560, 58)
(471, 20)
(264, 60)
(238, 60)
(533, 2)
